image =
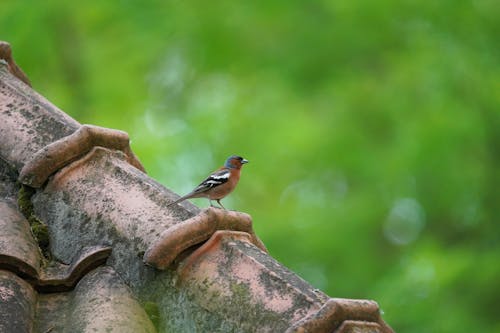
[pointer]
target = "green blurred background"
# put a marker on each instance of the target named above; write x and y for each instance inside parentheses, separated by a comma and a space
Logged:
(372, 129)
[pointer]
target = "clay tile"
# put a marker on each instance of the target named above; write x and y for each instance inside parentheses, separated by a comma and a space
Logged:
(337, 311)
(196, 230)
(229, 273)
(59, 153)
(60, 277)
(356, 326)
(20, 254)
(101, 302)
(18, 250)
(40, 139)
(29, 121)
(103, 197)
(17, 304)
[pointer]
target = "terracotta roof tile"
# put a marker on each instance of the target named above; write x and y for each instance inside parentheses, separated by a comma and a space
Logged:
(29, 121)
(18, 249)
(101, 302)
(178, 269)
(195, 230)
(61, 152)
(229, 270)
(18, 301)
(19, 252)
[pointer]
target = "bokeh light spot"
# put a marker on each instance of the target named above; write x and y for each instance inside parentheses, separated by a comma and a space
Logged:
(404, 222)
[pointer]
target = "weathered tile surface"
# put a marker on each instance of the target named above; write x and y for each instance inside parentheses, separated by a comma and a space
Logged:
(17, 304)
(18, 249)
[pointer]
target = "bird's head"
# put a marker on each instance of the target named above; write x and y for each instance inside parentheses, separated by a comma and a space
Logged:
(235, 162)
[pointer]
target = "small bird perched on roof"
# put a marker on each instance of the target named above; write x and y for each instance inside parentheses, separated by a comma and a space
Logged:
(219, 184)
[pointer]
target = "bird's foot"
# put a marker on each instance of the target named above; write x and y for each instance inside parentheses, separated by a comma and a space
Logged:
(218, 201)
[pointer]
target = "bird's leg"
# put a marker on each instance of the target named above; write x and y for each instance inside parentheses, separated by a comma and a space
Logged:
(218, 201)
(210, 201)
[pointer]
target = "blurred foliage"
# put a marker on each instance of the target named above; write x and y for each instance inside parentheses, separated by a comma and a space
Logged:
(372, 128)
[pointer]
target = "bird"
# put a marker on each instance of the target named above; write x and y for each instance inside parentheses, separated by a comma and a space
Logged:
(219, 183)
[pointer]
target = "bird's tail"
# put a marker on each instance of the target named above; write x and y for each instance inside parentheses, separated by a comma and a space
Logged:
(187, 196)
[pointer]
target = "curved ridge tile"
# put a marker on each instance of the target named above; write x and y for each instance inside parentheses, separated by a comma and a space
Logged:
(357, 326)
(59, 277)
(18, 249)
(336, 311)
(59, 153)
(196, 230)
(205, 249)
(17, 304)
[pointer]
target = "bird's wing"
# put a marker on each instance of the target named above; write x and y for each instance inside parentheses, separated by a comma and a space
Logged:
(217, 178)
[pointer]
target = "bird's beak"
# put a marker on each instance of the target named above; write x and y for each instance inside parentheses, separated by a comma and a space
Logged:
(244, 161)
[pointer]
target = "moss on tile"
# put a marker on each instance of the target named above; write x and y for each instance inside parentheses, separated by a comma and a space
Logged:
(241, 292)
(38, 228)
(153, 312)
(24, 200)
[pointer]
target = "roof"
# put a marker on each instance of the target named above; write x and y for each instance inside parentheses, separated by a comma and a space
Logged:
(88, 243)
